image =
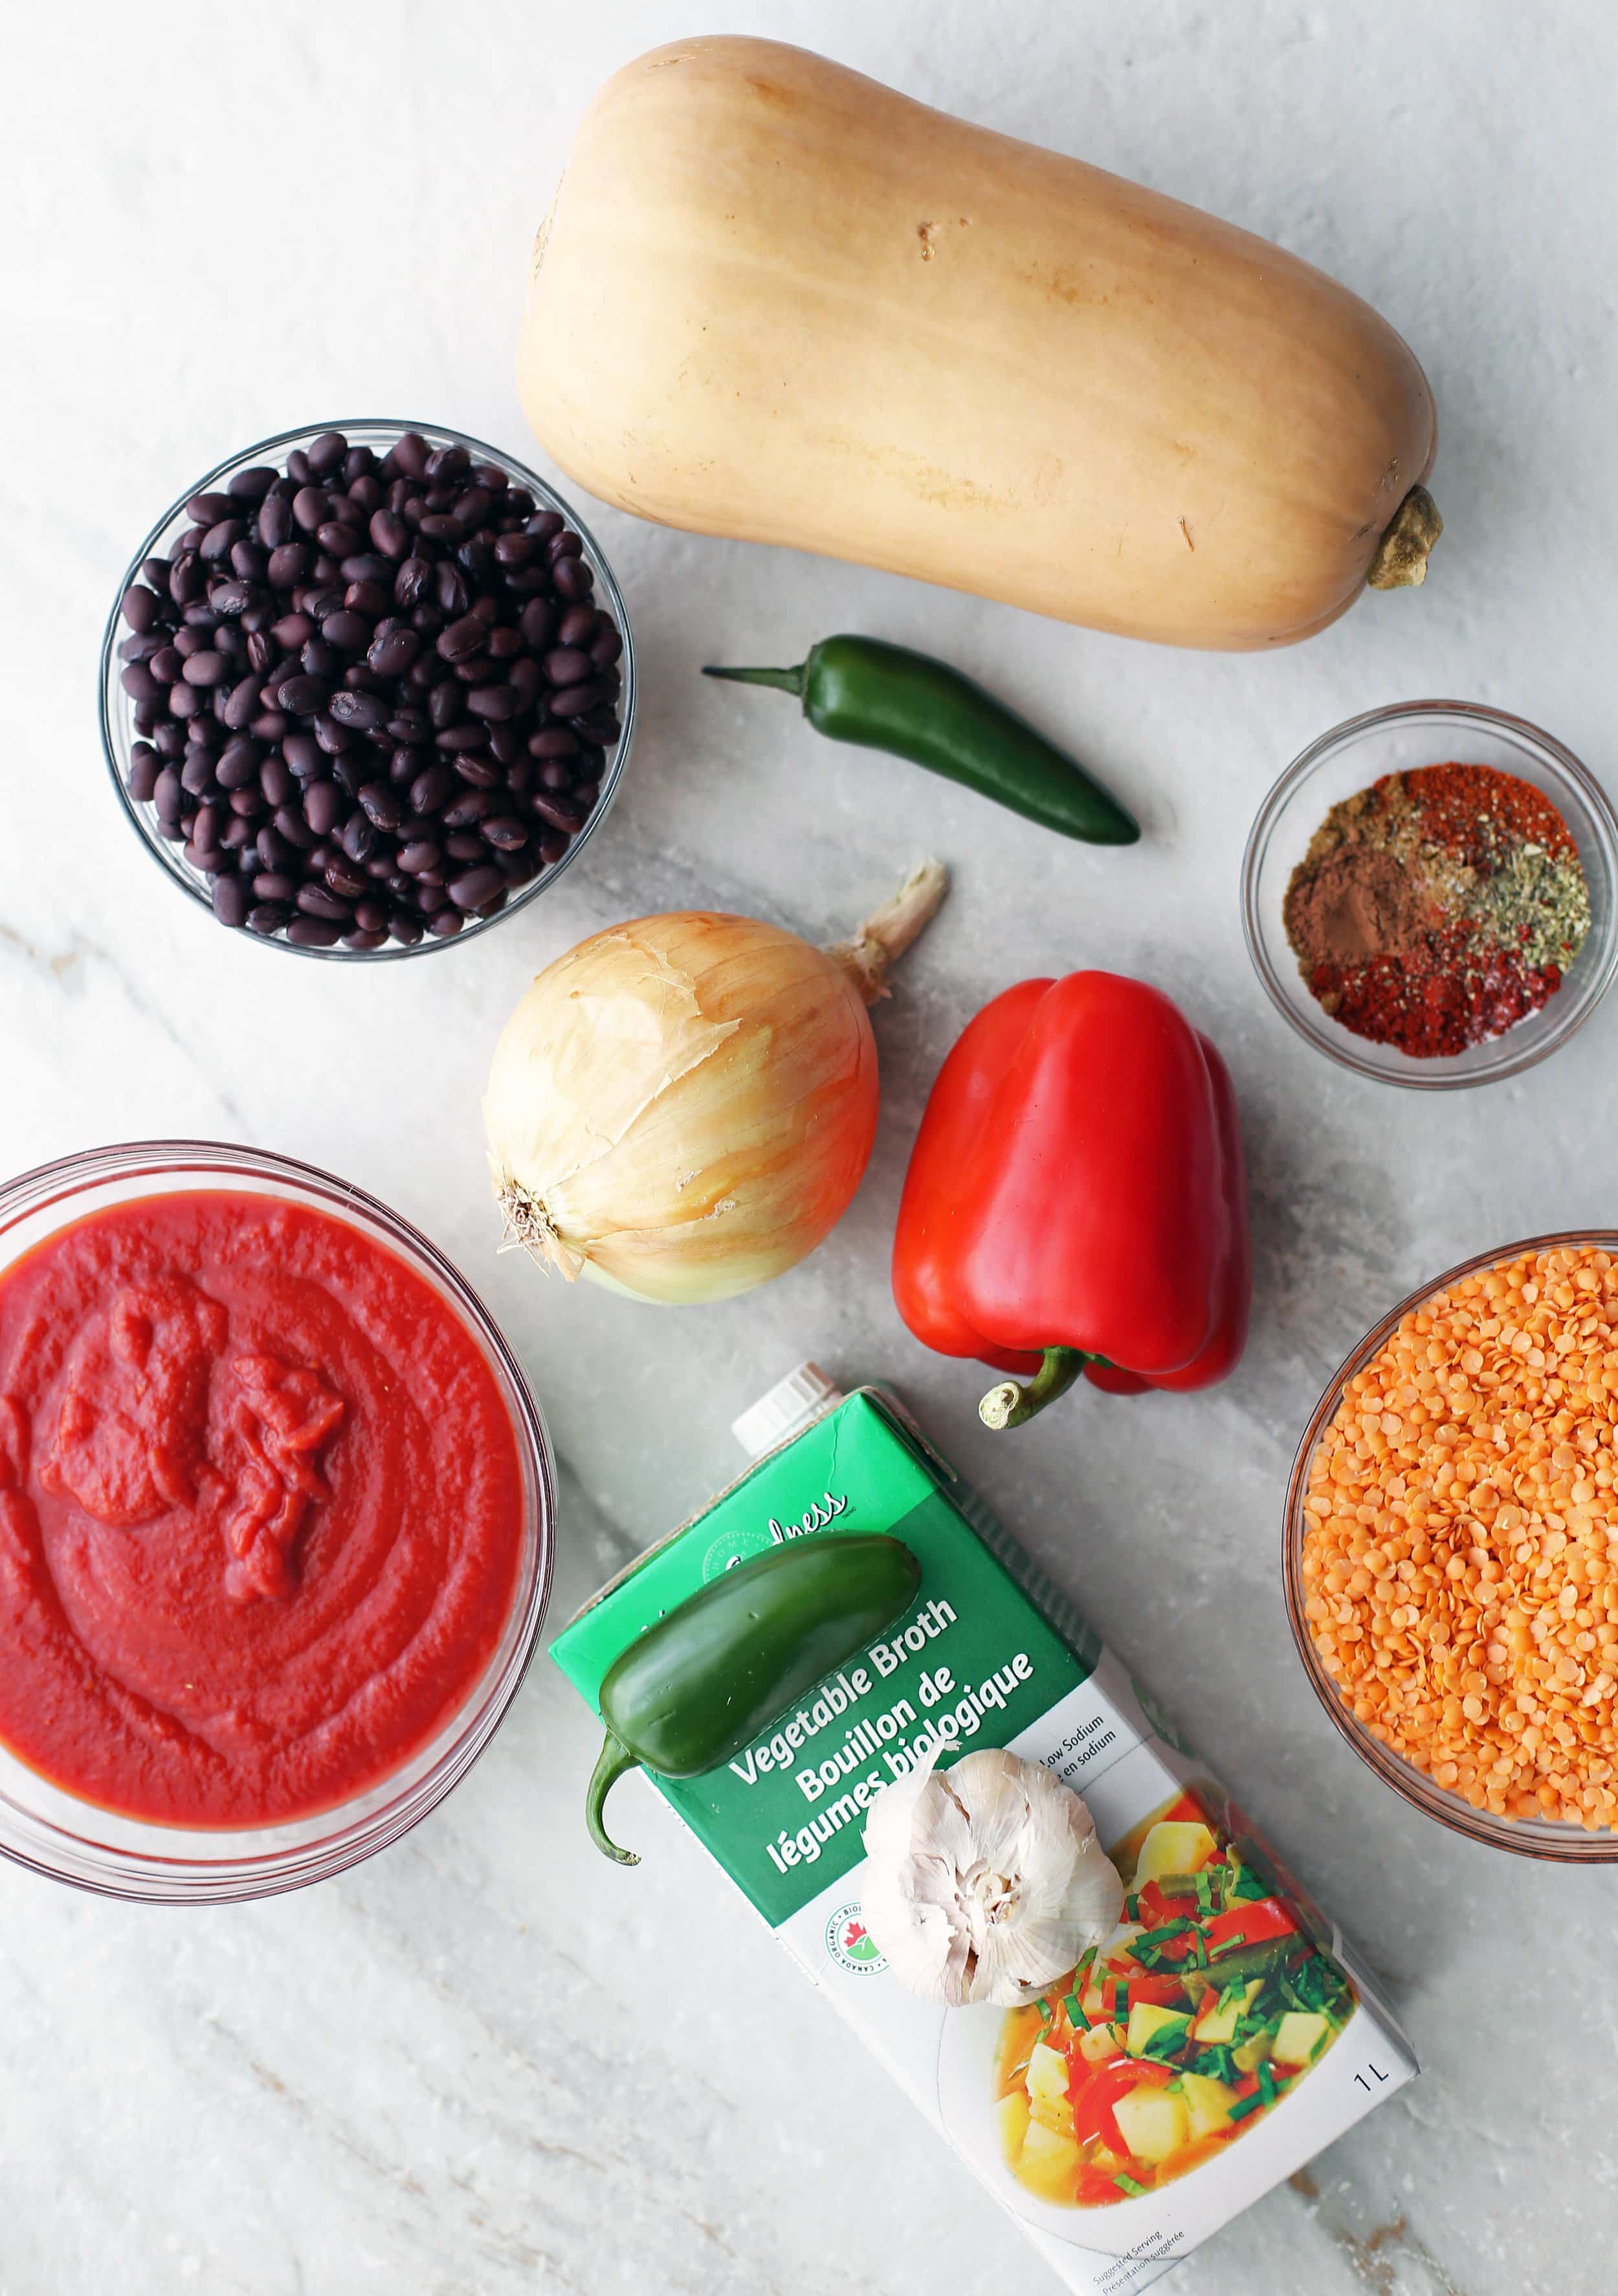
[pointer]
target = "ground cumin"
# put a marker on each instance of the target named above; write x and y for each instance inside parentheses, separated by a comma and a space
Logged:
(1435, 908)
(1460, 1549)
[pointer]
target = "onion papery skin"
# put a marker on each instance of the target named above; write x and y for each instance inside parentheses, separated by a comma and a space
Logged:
(682, 1106)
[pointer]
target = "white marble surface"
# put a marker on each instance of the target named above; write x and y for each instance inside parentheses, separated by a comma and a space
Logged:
(485, 2062)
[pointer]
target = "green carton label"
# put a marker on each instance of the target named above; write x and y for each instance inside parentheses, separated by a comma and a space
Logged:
(973, 1654)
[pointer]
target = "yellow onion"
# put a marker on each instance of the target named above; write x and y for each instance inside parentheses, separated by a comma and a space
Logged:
(682, 1106)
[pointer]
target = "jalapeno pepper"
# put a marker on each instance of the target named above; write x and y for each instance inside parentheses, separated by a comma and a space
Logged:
(721, 1666)
(887, 697)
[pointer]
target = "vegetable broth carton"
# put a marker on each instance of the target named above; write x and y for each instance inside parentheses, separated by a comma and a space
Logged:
(1215, 2041)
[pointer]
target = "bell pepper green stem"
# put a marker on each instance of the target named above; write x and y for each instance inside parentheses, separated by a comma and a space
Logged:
(614, 1760)
(1013, 1405)
(786, 681)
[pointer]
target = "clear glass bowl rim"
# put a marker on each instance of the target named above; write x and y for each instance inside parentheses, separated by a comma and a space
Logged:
(1538, 1838)
(275, 448)
(1602, 962)
(158, 1879)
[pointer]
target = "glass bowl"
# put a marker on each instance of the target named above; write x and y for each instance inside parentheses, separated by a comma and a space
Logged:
(57, 1833)
(1528, 1837)
(1397, 739)
(116, 722)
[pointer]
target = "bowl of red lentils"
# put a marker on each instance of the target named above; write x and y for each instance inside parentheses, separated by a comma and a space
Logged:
(1451, 1548)
(1430, 894)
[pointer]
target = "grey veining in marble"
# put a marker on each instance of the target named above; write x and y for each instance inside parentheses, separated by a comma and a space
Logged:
(485, 2062)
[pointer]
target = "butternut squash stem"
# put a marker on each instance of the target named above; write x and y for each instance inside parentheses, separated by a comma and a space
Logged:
(1401, 562)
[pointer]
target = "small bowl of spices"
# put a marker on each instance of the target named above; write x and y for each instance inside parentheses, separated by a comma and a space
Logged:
(1451, 1548)
(1428, 894)
(366, 689)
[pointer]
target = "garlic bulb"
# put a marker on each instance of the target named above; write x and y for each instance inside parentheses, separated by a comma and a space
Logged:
(681, 1107)
(985, 1882)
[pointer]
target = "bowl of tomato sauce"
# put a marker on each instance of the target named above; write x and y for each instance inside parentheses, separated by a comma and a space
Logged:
(276, 1523)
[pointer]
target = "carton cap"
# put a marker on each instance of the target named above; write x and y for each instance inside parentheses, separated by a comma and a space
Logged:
(805, 1395)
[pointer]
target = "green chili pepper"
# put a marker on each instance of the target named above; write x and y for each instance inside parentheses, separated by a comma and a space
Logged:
(887, 697)
(1260, 1960)
(719, 1667)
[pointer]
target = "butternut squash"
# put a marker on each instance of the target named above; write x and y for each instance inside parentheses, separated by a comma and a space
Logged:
(776, 301)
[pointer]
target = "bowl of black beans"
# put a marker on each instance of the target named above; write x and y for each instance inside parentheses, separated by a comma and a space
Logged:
(367, 689)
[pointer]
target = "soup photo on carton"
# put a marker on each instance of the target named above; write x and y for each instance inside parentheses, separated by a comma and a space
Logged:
(1213, 2040)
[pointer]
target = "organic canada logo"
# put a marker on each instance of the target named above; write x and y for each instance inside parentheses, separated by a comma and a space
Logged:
(851, 1945)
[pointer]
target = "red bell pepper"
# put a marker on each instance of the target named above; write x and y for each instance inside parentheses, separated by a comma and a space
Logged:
(1076, 1199)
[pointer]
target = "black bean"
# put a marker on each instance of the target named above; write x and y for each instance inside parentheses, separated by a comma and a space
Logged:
(577, 626)
(462, 638)
(276, 525)
(553, 848)
(552, 741)
(493, 701)
(363, 713)
(537, 621)
(423, 853)
(268, 917)
(513, 549)
(451, 589)
(460, 740)
(357, 836)
(323, 806)
(382, 805)
(566, 665)
(304, 694)
(320, 901)
(481, 772)
(312, 932)
(167, 664)
(310, 508)
(169, 794)
(217, 542)
(392, 656)
(168, 740)
(575, 701)
(274, 851)
(141, 607)
(560, 812)
(230, 900)
(389, 533)
(412, 581)
(207, 669)
(140, 684)
(409, 454)
(275, 779)
(445, 923)
(252, 484)
(320, 659)
(368, 598)
(337, 538)
(504, 830)
(429, 789)
(241, 702)
(304, 756)
(350, 631)
(145, 767)
(326, 452)
(154, 574)
(572, 578)
(348, 882)
(469, 809)
(197, 773)
(463, 845)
